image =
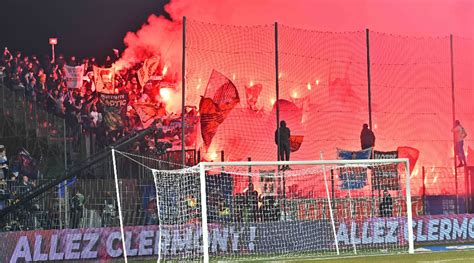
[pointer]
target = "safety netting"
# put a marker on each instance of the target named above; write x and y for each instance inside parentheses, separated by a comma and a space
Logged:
(463, 60)
(411, 91)
(233, 69)
(324, 95)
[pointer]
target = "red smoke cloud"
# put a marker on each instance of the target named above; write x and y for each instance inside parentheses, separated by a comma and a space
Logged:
(160, 36)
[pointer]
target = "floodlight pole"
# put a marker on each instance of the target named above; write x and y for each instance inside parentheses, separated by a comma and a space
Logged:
(53, 42)
(52, 52)
(66, 198)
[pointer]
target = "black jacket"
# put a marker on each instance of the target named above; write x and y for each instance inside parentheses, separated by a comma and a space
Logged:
(367, 138)
(284, 136)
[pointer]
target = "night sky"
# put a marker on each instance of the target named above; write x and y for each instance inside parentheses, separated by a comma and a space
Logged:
(83, 27)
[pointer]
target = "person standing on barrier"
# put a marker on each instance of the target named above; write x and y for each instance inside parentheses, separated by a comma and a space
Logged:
(367, 137)
(284, 143)
(459, 136)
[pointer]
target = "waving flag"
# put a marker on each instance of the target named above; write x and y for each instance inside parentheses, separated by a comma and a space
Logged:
(149, 69)
(104, 80)
(295, 142)
(73, 76)
(220, 98)
(292, 114)
(252, 93)
(149, 112)
(409, 152)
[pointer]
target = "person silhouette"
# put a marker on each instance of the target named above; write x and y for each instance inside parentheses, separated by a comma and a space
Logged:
(459, 136)
(283, 133)
(367, 137)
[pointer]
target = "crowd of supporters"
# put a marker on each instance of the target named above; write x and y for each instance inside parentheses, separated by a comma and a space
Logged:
(43, 82)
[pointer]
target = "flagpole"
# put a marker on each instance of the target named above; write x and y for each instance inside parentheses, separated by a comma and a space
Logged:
(183, 94)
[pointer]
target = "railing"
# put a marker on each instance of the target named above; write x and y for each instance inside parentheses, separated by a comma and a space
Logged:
(47, 137)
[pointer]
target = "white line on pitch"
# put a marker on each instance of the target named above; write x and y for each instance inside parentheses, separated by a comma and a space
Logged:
(444, 260)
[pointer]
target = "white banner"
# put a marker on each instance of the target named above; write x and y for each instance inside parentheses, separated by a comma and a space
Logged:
(74, 76)
(149, 70)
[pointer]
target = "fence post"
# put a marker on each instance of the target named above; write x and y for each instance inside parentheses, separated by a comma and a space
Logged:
(66, 198)
(369, 91)
(183, 93)
(3, 98)
(25, 123)
(332, 189)
(467, 190)
(222, 160)
(423, 193)
(454, 118)
(277, 91)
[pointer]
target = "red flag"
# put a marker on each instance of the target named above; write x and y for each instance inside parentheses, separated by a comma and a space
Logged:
(295, 142)
(289, 112)
(409, 152)
(213, 111)
(252, 93)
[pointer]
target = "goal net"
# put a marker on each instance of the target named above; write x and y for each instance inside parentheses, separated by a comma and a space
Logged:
(271, 210)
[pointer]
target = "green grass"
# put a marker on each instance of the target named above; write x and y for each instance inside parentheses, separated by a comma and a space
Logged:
(457, 256)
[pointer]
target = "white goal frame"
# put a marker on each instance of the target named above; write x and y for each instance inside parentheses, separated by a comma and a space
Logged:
(202, 179)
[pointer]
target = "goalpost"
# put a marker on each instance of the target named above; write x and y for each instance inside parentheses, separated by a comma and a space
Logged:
(258, 210)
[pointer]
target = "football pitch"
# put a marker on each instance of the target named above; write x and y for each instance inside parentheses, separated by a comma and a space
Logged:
(454, 256)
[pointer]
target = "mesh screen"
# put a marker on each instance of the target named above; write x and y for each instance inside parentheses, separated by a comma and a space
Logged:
(411, 96)
(324, 75)
(324, 96)
(464, 90)
(245, 56)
